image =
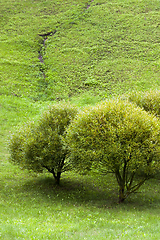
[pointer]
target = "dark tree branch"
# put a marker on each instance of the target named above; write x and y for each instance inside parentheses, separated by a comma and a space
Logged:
(137, 186)
(130, 182)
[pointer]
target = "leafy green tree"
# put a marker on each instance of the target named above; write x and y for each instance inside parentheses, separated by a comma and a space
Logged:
(119, 138)
(149, 101)
(38, 145)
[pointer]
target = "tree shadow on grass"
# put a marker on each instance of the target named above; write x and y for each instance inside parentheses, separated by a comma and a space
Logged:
(76, 190)
(80, 190)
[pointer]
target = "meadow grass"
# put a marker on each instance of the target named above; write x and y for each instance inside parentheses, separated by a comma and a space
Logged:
(82, 207)
(105, 49)
(98, 51)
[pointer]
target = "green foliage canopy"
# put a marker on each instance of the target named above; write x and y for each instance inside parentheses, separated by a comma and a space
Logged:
(148, 100)
(117, 137)
(38, 146)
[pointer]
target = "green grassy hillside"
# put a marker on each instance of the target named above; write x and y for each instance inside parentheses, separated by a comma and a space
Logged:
(21, 22)
(100, 47)
(82, 51)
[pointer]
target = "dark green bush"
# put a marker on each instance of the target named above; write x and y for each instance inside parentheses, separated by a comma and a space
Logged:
(38, 146)
(116, 137)
(149, 101)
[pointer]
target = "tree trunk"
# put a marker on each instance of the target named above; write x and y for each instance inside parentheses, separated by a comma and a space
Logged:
(121, 195)
(121, 183)
(57, 178)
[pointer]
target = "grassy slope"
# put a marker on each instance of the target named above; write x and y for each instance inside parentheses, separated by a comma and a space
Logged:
(101, 51)
(109, 48)
(21, 22)
(82, 208)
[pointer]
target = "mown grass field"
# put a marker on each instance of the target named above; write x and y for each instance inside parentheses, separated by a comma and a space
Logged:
(96, 50)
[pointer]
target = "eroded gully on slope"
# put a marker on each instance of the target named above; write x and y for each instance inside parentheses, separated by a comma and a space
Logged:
(45, 37)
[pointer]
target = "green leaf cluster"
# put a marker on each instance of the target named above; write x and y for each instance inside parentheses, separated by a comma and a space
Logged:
(117, 137)
(148, 100)
(114, 136)
(39, 146)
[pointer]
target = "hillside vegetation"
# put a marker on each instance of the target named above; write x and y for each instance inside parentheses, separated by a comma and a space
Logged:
(80, 51)
(99, 47)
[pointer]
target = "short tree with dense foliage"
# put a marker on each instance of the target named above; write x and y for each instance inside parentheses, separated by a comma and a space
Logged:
(149, 101)
(38, 146)
(116, 137)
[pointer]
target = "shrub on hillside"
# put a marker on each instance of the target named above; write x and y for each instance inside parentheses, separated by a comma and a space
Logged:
(149, 101)
(38, 146)
(117, 137)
